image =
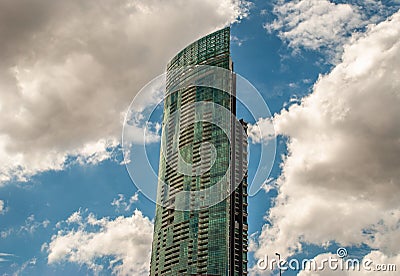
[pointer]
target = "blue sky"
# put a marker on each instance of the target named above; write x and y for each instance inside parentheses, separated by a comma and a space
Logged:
(328, 71)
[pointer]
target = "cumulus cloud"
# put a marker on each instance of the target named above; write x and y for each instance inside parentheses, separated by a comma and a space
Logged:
(31, 224)
(340, 180)
(379, 262)
(317, 262)
(323, 25)
(69, 69)
(261, 131)
(125, 241)
(314, 24)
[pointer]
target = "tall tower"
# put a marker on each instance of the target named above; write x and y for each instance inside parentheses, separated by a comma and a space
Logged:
(205, 239)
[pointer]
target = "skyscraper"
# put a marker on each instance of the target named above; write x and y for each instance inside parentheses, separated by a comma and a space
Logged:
(201, 233)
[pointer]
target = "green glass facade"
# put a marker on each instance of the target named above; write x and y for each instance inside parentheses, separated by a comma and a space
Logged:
(209, 240)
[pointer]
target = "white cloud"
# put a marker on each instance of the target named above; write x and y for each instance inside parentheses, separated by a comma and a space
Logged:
(25, 266)
(6, 257)
(269, 185)
(68, 71)
(314, 24)
(340, 180)
(31, 224)
(378, 261)
(261, 131)
(75, 218)
(238, 41)
(319, 261)
(29, 227)
(2, 208)
(323, 25)
(125, 241)
(121, 203)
